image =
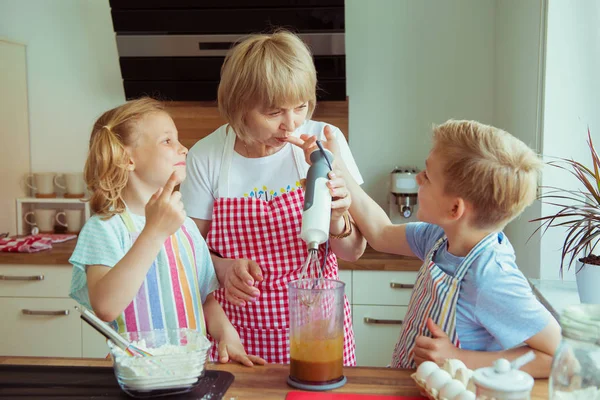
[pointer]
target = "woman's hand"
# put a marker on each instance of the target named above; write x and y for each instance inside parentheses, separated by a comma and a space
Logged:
(341, 198)
(164, 211)
(231, 348)
(308, 143)
(239, 279)
(337, 185)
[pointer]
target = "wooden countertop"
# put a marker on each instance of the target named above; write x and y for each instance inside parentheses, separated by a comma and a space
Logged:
(269, 382)
(371, 260)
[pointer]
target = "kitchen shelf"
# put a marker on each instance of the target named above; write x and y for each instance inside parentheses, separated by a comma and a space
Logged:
(56, 200)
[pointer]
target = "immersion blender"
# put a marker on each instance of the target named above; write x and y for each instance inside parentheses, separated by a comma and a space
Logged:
(317, 200)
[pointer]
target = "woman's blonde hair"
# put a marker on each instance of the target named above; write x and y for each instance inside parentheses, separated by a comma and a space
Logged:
(106, 168)
(266, 71)
(493, 170)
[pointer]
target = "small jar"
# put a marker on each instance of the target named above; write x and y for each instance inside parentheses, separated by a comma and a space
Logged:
(501, 382)
(576, 365)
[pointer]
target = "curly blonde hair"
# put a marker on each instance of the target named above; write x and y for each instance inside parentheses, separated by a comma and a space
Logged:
(493, 170)
(106, 168)
(269, 71)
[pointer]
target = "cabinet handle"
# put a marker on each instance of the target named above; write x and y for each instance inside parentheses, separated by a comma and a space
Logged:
(40, 312)
(22, 278)
(395, 285)
(369, 320)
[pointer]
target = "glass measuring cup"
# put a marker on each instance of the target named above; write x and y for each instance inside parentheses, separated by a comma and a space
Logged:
(316, 334)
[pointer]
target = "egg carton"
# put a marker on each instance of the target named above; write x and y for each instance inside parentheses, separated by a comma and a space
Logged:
(454, 370)
(423, 388)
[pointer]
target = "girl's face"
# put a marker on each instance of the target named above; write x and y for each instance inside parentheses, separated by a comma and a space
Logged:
(271, 126)
(156, 153)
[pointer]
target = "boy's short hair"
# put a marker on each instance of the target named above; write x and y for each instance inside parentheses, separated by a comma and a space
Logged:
(266, 70)
(488, 167)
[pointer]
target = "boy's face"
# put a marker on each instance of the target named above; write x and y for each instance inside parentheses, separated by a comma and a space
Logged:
(435, 206)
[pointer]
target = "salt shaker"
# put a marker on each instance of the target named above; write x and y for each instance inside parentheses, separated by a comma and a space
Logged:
(502, 382)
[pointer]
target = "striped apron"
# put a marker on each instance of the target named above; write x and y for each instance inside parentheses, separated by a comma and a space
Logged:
(434, 296)
(169, 297)
(267, 232)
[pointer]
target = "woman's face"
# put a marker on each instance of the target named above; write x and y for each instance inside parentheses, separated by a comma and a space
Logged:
(271, 126)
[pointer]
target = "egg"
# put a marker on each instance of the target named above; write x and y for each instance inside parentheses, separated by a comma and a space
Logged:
(451, 365)
(463, 375)
(452, 389)
(437, 379)
(425, 369)
(466, 395)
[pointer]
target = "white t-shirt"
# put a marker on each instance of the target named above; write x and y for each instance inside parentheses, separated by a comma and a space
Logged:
(264, 177)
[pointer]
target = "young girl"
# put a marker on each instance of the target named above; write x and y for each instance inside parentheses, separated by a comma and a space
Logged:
(140, 263)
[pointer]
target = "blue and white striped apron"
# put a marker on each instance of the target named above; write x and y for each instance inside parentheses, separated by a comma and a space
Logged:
(434, 296)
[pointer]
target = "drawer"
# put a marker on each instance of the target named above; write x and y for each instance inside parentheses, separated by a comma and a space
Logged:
(37, 335)
(346, 277)
(376, 331)
(93, 344)
(35, 281)
(386, 288)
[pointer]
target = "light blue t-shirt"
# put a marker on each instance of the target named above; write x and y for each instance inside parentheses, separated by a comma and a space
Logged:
(105, 242)
(496, 308)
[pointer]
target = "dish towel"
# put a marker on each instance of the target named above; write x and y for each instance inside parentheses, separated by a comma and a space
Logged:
(27, 244)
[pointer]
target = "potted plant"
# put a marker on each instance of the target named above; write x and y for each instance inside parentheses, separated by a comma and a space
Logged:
(578, 212)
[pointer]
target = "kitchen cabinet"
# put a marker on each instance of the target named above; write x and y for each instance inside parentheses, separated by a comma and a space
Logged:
(379, 303)
(14, 132)
(39, 318)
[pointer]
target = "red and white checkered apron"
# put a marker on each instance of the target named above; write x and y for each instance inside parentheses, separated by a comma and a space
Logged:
(267, 232)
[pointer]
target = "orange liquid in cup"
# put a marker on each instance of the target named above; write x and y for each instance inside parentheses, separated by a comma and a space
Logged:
(316, 361)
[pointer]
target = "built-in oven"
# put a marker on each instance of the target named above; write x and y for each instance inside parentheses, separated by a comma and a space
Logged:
(174, 49)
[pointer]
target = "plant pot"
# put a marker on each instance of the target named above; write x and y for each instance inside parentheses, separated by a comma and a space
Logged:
(588, 283)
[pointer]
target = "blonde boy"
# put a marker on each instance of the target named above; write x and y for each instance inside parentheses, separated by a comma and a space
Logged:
(470, 300)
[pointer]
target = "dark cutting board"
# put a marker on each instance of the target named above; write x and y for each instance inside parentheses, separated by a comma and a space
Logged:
(46, 382)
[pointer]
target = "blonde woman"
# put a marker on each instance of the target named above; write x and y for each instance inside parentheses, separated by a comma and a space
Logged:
(244, 192)
(140, 263)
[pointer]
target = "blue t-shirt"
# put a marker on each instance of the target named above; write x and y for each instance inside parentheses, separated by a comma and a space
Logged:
(496, 308)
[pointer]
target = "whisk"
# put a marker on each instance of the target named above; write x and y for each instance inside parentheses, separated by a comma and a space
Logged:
(312, 278)
(105, 330)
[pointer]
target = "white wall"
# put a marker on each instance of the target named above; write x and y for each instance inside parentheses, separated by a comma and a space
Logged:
(518, 103)
(571, 100)
(411, 64)
(72, 70)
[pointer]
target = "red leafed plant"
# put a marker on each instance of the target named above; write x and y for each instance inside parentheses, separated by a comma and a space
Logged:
(579, 210)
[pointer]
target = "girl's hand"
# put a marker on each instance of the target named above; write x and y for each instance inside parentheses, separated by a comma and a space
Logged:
(164, 211)
(230, 348)
(239, 281)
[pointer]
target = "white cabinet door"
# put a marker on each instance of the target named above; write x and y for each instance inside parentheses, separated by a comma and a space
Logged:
(39, 327)
(346, 277)
(35, 281)
(382, 287)
(376, 330)
(93, 344)
(14, 133)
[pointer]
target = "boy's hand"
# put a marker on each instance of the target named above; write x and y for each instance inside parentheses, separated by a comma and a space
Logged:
(164, 211)
(239, 281)
(437, 348)
(231, 349)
